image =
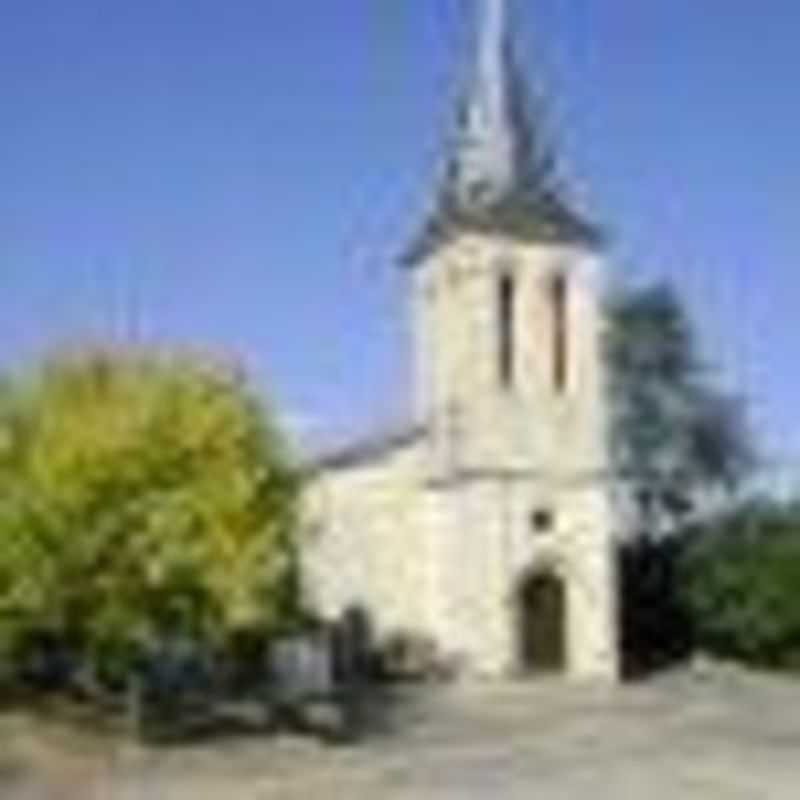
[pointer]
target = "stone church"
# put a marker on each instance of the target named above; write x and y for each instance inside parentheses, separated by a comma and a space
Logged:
(486, 525)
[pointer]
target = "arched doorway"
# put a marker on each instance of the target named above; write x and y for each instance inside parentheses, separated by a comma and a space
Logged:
(541, 628)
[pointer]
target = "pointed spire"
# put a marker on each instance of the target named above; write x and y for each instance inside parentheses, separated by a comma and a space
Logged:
(500, 170)
(481, 164)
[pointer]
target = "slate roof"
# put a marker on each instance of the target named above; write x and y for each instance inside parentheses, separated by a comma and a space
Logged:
(370, 448)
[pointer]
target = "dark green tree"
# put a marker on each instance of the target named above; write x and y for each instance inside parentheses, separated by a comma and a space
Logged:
(678, 442)
(680, 448)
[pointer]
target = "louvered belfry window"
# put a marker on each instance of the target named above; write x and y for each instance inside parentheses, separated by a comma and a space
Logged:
(505, 302)
(559, 303)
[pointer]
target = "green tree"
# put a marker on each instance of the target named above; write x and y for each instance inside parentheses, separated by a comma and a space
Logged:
(140, 492)
(677, 440)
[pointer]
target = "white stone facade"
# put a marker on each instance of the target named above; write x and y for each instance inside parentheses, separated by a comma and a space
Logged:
(432, 532)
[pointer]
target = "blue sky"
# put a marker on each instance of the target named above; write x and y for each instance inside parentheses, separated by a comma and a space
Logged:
(241, 175)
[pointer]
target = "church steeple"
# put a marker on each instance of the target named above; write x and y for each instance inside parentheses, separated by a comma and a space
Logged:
(499, 170)
(481, 168)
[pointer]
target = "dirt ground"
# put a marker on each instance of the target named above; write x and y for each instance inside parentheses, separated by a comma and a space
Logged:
(722, 733)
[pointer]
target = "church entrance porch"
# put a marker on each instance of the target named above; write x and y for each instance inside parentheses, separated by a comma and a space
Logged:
(541, 624)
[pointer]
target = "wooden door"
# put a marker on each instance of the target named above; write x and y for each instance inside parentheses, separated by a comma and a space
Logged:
(541, 620)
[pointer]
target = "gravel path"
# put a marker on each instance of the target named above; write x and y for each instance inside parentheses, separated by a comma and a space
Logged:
(727, 734)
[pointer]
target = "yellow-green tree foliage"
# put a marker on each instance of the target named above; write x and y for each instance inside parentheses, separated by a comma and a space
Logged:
(140, 491)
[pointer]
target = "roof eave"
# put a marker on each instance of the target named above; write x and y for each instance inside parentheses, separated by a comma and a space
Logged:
(568, 229)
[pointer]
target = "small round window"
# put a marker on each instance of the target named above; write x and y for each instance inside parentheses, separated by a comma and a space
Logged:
(542, 520)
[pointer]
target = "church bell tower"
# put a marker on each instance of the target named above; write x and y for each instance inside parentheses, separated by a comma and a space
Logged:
(505, 292)
(504, 284)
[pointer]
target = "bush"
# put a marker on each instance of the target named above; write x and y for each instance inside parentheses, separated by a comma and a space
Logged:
(740, 580)
(407, 656)
(140, 494)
